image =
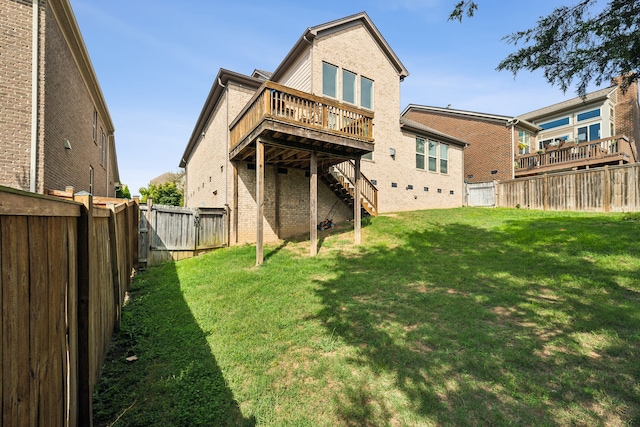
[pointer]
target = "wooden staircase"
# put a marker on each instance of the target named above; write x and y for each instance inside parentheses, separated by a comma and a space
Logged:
(341, 179)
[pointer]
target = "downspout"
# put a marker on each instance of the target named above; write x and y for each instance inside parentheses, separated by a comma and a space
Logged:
(108, 160)
(35, 54)
(513, 122)
(513, 153)
(227, 161)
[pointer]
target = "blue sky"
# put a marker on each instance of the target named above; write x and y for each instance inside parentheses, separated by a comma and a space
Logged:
(156, 60)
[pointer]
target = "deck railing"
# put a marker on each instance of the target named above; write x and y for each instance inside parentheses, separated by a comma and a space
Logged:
(345, 172)
(288, 105)
(584, 152)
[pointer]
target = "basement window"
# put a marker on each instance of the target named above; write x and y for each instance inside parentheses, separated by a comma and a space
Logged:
(251, 166)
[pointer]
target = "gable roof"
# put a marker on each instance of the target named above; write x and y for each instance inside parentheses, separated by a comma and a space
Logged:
(422, 130)
(331, 27)
(223, 78)
(568, 104)
(506, 120)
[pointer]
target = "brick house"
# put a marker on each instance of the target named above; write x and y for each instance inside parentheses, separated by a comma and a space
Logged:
(331, 109)
(55, 128)
(600, 129)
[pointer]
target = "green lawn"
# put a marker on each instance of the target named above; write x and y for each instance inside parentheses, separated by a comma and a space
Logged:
(459, 317)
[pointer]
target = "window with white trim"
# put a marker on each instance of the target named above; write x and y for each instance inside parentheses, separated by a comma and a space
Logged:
(366, 93)
(524, 142)
(95, 126)
(329, 80)
(420, 153)
(444, 158)
(432, 156)
(348, 87)
(103, 144)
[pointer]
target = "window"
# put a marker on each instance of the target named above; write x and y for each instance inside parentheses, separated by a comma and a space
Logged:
(95, 125)
(435, 151)
(366, 93)
(589, 115)
(90, 179)
(348, 87)
(612, 129)
(103, 144)
(329, 80)
(554, 124)
(589, 133)
(420, 146)
(594, 132)
(524, 142)
(433, 156)
(582, 134)
(543, 144)
(444, 158)
(367, 156)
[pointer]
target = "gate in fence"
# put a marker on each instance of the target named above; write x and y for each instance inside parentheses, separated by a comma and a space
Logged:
(481, 194)
(173, 233)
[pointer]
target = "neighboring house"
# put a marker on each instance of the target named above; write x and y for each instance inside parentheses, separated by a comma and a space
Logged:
(602, 128)
(332, 105)
(55, 128)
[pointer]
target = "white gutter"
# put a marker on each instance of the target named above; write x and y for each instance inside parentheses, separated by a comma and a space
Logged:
(34, 97)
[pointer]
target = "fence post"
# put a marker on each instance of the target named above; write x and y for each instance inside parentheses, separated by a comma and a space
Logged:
(85, 225)
(227, 233)
(115, 262)
(135, 238)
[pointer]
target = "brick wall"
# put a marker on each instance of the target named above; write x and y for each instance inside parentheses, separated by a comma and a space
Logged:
(209, 178)
(490, 143)
(68, 115)
(355, 50)
(627, 118)
(15, 92)
(291, 217)
(65, 108)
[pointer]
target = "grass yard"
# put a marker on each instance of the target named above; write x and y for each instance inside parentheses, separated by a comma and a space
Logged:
(464, 317)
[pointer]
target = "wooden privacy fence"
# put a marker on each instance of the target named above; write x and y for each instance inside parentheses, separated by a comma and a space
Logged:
(606, 189)
(65, 267)
(173, 233)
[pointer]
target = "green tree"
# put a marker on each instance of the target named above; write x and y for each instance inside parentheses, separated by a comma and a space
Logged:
(123, 192)
(169, 192)
(575, 43)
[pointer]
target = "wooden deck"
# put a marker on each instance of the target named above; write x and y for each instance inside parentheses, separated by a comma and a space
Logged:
(289, 128)
(607, 151)
(293, 124)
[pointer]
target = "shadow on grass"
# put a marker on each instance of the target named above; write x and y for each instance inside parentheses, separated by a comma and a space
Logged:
(175, 380)
(526, 325)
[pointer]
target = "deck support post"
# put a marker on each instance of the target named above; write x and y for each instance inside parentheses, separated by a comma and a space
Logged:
(357, 208)
(313, 202)
(259, 201)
